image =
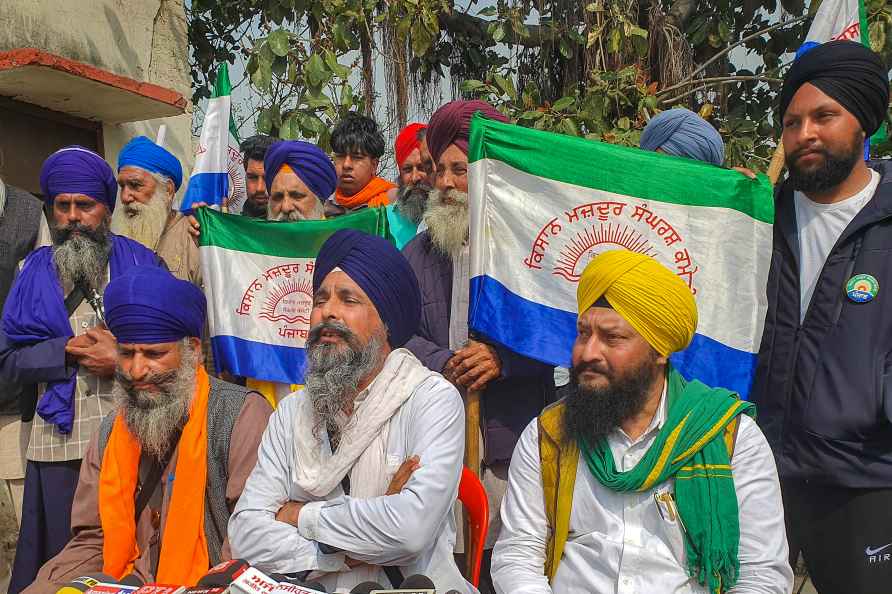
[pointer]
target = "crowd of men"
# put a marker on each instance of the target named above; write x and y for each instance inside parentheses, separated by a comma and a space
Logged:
(126, 455)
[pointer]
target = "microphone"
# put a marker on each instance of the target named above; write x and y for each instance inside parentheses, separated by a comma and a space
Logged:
(417, 582)
(112, 588)
(131, 580)
(81, 584)
(224, 573)
(296, 587)
(203, 590)
(162, 589)
(253, 581)
(366, 588)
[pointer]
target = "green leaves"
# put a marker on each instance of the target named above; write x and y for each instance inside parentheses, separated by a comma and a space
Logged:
(316, 72)
(278, 42)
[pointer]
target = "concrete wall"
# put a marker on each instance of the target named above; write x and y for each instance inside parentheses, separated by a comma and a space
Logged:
(141, 39)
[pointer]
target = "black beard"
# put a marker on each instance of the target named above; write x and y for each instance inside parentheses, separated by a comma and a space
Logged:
(253, 209)
(835, 169)
(411, 200)
(591, 414)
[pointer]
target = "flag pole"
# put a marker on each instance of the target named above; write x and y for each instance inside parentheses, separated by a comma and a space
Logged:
(777, 163)
(472, 461)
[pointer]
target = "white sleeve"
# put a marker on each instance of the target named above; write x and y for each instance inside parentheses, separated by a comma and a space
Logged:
(395, 529)
(763, 552)
(518, 558)
(254, 533)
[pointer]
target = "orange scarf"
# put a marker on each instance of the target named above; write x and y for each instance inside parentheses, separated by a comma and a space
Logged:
(184, 550)
(373, 194)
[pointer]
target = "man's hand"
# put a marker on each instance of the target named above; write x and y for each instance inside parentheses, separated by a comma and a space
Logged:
(194, 225)
(96, 350)
(747, 172)
(473, 366)
(290, 512)
(402, 475)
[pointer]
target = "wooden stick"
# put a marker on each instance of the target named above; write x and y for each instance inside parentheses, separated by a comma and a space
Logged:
(472, 461)
(777, 163)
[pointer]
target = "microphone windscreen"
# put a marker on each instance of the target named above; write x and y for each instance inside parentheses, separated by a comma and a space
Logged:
(417, 582)
(163, 589)
(131, 580)
(204, 590)
(224, 573)
(84, 583)
(366, 587)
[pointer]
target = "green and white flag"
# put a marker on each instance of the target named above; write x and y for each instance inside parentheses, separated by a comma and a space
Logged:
(543, 205)
(258, 279)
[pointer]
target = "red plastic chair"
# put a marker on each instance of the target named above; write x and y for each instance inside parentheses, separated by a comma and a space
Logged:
(473, 496)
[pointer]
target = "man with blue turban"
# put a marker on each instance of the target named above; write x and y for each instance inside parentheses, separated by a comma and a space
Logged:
(367, 457)
(149, 176)
(187, 439)
(53, 337)
(683, 133)
(299, 177)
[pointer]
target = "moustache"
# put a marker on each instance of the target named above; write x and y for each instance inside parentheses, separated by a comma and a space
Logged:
(601, 369)
(63, 234)
(808, 151)
(336, 328)
(160, 379)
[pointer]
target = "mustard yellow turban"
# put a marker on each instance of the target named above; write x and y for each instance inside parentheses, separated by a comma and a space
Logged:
(656, 302)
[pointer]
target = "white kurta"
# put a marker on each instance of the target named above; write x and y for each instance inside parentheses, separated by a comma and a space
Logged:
(620, 542)
(414, 529)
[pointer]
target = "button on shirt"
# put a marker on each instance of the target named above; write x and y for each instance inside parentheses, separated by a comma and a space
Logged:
(621, 542)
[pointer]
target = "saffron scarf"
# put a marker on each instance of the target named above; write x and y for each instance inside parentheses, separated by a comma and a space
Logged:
(372, 195)
(690, 449)
(184, 550)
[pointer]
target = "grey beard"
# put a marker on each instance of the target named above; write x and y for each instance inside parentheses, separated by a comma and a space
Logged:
(448, 224)
(140, 222)
(334, 372)
(296, 215)
(411, 201)
(153, 417)
(81, 259)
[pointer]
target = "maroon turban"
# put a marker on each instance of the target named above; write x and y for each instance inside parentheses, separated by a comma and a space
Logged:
(451, 124)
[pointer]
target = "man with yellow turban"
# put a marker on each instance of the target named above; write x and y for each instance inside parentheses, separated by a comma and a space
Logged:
(640, 480)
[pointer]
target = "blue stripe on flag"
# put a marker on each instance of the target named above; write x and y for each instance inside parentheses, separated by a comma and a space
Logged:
(212, 188)
(509, 319)
(258, 360)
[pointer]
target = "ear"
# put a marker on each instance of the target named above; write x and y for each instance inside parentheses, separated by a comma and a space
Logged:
(171, 189)
(375, 162)
(195, 343)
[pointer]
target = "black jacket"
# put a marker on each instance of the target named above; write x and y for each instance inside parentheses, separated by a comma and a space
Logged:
(824, 388)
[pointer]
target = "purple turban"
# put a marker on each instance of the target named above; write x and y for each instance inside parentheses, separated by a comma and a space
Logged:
(149, 305)
(76, 170)
(145, 154)
(382, 272)
(309, 162)
(451, 124)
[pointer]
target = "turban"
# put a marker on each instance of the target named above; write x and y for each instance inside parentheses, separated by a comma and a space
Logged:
(309, 163)
(683, 133)
(149, 305)
(451, 124)
(382, 272)
(76, 170)
(406, 142)
(649, 296)
(145, 154)
(849, 73)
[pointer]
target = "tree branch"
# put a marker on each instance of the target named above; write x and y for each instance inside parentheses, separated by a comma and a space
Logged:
(472, 26)
(707, 83)
(728, 49)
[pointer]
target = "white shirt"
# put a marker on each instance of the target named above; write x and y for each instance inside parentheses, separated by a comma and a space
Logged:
(819, 227)
(414, 529)
(619, 542)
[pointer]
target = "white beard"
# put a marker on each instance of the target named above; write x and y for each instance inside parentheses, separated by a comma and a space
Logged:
(295, 215)
(142, 222)
(448, 224)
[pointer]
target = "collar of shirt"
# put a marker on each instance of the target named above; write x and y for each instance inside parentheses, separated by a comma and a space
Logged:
(627, 452)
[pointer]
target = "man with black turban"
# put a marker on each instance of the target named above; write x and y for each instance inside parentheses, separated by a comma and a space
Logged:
(824, 377)
(187, 439)
(357, 473)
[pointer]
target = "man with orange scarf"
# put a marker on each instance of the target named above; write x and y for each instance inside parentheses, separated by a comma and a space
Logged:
(357, 145)
(165, 469)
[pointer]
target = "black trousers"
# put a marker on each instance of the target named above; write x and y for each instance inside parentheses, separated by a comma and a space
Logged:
(845, 536)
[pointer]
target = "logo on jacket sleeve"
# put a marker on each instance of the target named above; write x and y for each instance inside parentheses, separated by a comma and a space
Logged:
(862, 288)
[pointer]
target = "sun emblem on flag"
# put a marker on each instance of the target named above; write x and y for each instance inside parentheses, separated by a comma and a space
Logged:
(590, 242)
(288, 301)
(280, 300)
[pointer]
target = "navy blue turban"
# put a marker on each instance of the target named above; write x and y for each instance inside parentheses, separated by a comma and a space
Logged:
(76, 170)
(309, 163)
(149, 305)
(382, 272)
(683, 133)
(849, 73)
(145, 154)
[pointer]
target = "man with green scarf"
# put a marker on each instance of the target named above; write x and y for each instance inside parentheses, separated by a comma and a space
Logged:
(640, 481)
